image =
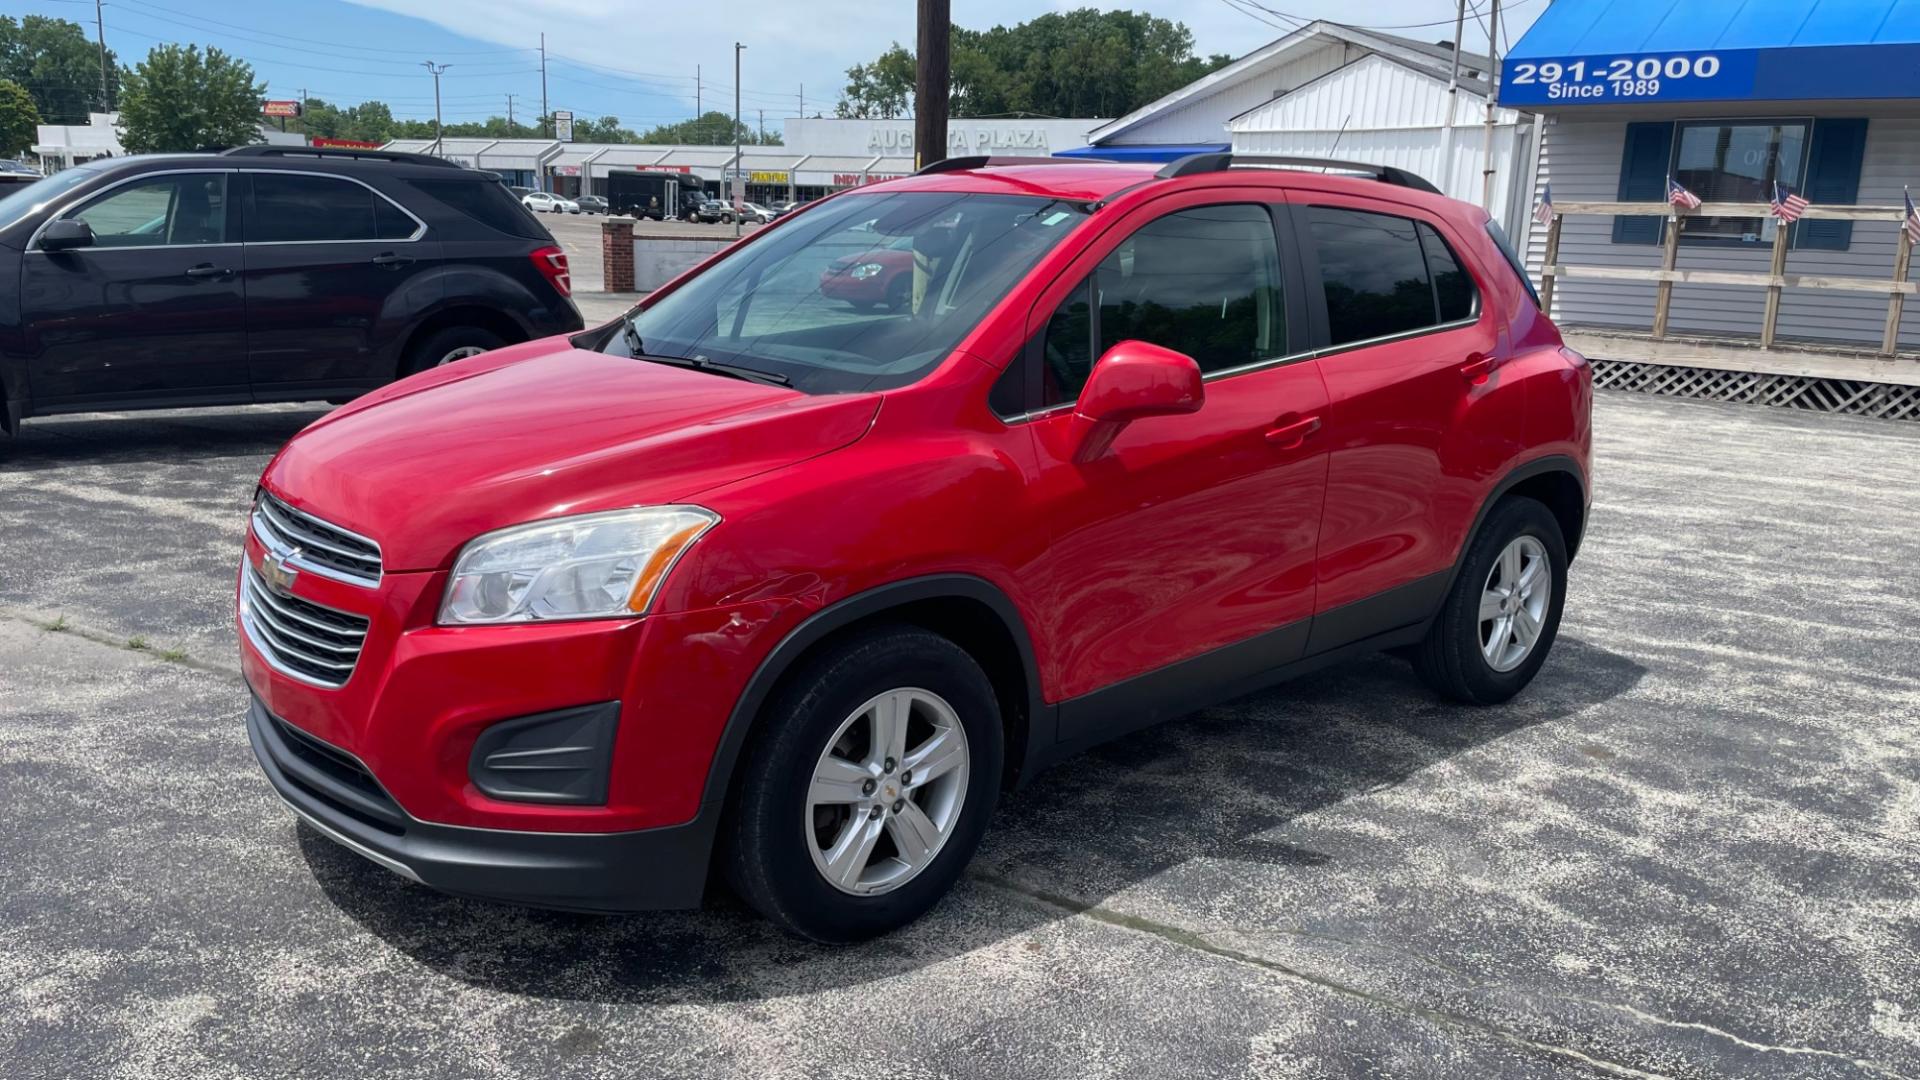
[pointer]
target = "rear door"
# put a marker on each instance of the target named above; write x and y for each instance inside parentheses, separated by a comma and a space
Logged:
(336, 273)
(1410, 356)
(153, 309)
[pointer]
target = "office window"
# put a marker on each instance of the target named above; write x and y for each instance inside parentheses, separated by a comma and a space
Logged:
(1738, 161)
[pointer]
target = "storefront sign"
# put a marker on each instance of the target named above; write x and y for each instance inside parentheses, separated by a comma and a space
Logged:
(898, 142)
(767, 178)
(856, 179)
(1800, 73)
(346, 144)
(563, 125)
(280, 108)
(566, 170)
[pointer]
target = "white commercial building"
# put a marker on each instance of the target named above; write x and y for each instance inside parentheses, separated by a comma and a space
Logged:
(62, 146)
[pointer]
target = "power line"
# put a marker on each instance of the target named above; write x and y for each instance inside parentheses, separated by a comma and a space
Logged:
(302, 40)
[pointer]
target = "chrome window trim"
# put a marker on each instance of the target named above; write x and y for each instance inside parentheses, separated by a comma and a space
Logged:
(419, 227)
(33, 242)
(282, 551)
(1420, 331)
(78, 201)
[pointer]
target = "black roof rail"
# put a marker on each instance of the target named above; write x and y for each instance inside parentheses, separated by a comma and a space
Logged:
(954, 164)
(342, 152)
(1194, 164)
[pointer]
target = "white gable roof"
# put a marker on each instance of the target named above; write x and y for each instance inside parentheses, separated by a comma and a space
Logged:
(1274, 69)
(1370, 94)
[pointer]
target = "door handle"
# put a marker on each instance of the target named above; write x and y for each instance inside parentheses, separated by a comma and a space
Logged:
(1478, 367)
(1291, 435)
(208, 270)
(390, 259)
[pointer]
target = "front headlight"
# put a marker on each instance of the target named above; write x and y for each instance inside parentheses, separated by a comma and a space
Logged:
(594, 566)
(866, 270)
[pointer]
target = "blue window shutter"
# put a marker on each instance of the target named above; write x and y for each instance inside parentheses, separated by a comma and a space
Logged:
(1833, 178)
(1643, 178)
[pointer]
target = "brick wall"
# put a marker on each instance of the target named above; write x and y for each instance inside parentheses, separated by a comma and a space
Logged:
(616, 254)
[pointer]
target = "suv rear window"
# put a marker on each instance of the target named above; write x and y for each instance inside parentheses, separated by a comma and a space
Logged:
(1385, 275)
(487, 202)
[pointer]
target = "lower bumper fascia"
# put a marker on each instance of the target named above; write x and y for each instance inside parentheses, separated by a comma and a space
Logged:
(644, 870)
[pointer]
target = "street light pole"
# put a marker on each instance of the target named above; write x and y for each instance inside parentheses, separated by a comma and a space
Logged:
(439, 131)
(737, 50)
(932, 82)
(100, 28)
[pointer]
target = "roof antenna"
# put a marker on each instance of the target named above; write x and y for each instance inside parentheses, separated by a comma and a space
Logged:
(1337, 136)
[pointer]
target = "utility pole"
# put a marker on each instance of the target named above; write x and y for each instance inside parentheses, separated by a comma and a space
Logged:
(546, 116)
(100, 28)
(1453, 88)
(737, 50)
(510, 98)
(696, 91)
(1493, 83)
(803, 101)
(438, 129)
(763, 127)
(932, 83)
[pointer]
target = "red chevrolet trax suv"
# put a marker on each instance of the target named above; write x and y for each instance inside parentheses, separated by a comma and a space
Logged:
(761, 582)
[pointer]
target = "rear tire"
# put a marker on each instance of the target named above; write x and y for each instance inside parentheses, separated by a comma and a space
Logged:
(1503, 613)
(447, 345)
(825, 840)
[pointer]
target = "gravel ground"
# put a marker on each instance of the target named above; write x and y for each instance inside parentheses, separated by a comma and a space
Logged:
(1688, 850)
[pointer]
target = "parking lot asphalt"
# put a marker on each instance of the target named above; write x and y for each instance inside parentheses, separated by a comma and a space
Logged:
(1687, 850)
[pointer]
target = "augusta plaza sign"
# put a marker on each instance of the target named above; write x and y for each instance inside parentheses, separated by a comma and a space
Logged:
(893, 138)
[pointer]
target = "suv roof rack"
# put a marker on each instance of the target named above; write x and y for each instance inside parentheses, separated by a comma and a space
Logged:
(342, 152)
(1195, 164)
(954, 164)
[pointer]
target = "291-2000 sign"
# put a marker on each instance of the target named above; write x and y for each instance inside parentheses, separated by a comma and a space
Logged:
(1618, 77)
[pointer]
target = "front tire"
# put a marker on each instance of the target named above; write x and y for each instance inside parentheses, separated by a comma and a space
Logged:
(868, 786)
(1503, 613)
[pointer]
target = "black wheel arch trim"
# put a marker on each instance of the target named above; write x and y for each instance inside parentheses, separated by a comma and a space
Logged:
(847, 611)
(1519, 474)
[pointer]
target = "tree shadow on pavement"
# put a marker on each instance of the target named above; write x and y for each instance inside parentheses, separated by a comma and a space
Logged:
(1211, 785)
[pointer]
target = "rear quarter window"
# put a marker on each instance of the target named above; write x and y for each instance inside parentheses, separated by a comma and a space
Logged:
(1505, 245)
(487, 202)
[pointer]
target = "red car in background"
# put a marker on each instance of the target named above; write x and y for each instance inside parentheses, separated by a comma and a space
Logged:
(878, 277)
(748, 578)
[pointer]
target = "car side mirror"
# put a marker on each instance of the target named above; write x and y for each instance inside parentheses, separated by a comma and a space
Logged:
(65, 235)
(1132, 381)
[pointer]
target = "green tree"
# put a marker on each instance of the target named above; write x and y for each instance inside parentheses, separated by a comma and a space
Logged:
(182, 99)
(18, 117)
(711, 128)
(58, 64)
(1072, 63)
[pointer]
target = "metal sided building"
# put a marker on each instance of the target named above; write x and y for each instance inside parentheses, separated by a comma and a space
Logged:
(1726, 99)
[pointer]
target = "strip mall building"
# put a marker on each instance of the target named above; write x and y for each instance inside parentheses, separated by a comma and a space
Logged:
(818, 156)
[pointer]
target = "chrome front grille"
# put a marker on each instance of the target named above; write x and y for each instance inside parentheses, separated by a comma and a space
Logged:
(308, 641)
(309, 543)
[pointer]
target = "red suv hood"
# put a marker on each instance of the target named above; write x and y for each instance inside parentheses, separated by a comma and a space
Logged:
(430, 462)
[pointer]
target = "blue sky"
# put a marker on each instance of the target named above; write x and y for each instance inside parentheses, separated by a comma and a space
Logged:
(634, 59)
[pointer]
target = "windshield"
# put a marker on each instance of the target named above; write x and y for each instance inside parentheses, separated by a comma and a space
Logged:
(864, 292)
(31, 197)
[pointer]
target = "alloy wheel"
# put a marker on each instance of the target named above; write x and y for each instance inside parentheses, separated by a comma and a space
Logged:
(1514, 602)
(461, 353)
(887, 791)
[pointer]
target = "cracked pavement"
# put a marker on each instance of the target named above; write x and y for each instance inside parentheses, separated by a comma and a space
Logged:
(1689, 849)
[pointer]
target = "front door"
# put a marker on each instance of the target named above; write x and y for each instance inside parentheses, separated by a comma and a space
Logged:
(335, 271)
(152, 309)
(1192, 536)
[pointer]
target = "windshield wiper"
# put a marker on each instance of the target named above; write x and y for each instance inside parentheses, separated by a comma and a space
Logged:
(630, 332)
(732, 371)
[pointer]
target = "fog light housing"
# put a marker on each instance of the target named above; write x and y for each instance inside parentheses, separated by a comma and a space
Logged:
(562, 757)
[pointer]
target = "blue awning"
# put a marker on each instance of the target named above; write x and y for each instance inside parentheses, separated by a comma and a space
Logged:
(1632, 52)
(1145, 152)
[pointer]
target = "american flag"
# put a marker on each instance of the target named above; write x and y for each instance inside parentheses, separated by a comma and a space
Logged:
(1911, 222)
(1681, 197)
(1786, 205)
(1544, 212)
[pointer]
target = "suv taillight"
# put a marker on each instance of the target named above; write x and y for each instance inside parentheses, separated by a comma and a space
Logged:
(552, 264)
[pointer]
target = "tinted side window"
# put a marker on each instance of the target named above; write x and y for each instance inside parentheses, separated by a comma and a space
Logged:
(1506, 249)
(290, 207)
(1374, 273)
(1452, 288)
(490, 203)
(1205, 282)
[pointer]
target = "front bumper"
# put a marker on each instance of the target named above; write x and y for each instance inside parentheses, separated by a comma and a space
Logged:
(603, 872)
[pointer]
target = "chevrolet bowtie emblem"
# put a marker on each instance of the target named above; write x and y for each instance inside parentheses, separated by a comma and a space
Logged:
(276, 572)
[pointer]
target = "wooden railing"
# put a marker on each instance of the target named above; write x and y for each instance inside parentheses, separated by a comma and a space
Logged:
(1896, 288)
